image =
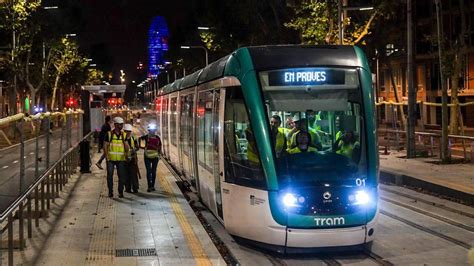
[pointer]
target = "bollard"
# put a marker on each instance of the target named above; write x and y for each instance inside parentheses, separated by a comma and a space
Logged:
(85, 156)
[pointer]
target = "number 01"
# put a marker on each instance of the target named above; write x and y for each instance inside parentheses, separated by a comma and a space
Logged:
(360, 182)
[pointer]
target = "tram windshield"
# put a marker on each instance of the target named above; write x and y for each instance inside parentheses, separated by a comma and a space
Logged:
(316, 125)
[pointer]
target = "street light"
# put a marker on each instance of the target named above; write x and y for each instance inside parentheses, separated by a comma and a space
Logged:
(197, 47)
(50, 7)
(203, 28)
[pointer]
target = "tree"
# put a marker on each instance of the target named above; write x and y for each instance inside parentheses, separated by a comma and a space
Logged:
(243, 23)
(66, 55)
(317, 23)
(94, 77)
(16, 18)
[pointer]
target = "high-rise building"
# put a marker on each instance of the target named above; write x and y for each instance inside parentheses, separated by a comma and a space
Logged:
(157, 45)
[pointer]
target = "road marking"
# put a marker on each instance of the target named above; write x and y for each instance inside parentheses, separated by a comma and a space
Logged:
(5, 167)
(16, 161)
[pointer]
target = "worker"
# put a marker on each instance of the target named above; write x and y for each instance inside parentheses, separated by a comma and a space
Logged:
(252, 154)
(278, 135)
(303, 140)
(300, 125)
(115, 150)
(131, 184)
(347, 144)
(152, 155)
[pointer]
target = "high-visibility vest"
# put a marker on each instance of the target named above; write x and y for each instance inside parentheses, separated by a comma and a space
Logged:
(116, 150)
(346, 149)
(280, 142)
(132, 146)
(152, 146)
(298, 150)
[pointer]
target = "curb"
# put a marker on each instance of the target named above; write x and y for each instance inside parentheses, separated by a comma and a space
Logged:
(389, 177)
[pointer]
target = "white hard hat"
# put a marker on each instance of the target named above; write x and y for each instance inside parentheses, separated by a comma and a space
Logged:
(298, 117)
(151, 126)
(127, 127)
(118, 120)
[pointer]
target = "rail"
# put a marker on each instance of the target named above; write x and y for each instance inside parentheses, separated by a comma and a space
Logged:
(434, 140)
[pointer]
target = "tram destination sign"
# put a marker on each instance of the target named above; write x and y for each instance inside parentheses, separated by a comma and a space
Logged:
(306, 77)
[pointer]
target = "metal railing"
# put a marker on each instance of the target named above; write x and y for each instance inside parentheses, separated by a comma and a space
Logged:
(35, 170)
(428, 141)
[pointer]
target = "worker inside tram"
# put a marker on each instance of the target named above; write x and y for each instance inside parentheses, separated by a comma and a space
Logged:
(324, 127)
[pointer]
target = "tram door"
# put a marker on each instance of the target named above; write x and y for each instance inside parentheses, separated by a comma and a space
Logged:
(207, 135)
(186, 137)
(164, 120)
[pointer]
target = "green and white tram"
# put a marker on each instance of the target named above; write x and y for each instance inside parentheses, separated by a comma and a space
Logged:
(311, 185)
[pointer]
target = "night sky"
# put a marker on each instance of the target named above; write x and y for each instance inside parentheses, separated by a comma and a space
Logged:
(115, 31)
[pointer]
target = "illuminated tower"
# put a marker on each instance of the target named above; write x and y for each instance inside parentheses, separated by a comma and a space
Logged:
(157, 45)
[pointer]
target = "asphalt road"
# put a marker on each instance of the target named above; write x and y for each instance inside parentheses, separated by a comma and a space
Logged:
(10, 163)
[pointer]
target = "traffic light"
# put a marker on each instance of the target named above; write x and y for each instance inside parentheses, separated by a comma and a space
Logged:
(71, 102)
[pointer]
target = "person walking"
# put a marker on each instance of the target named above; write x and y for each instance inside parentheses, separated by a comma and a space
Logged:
(103, 133)
(152, 153)
(131, 184)
(115, 149)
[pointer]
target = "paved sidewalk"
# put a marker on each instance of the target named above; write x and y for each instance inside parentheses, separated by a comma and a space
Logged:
(453, 180)
(92, 226)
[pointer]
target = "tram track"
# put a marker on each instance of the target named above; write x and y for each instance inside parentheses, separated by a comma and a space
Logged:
(426, 229)
(429, 214)
(438, 205)
(378, 259)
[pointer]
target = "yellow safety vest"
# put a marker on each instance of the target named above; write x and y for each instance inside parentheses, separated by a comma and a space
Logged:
(280, 142)
(116, 147)
(132, 146)
(346, 149)
(298, 150)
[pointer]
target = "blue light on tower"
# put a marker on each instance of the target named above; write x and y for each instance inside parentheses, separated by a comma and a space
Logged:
(157, 45)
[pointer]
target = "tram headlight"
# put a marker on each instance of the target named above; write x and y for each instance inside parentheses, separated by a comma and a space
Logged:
(361, 198)
(290, 200)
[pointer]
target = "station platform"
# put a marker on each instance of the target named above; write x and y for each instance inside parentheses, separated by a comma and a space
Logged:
(147, 228)
(455, 181)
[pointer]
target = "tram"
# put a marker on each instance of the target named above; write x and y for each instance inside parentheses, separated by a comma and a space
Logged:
(216, 132)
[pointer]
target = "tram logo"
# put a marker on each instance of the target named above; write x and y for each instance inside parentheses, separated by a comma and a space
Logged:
(330, 221)
(327, 195)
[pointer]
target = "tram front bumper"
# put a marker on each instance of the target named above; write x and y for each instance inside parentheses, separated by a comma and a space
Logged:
(336, 237)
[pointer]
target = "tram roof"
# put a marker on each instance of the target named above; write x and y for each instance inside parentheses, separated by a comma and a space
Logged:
(274, 57)
(288, 56)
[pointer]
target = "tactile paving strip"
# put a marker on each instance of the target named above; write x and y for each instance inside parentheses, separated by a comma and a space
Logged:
(194, 244)
(137, 252)
(102, 245)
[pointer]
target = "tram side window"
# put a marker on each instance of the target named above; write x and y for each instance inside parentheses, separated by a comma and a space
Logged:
(173, 106)
(204, 134)
(242, 161)
(186, 121)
